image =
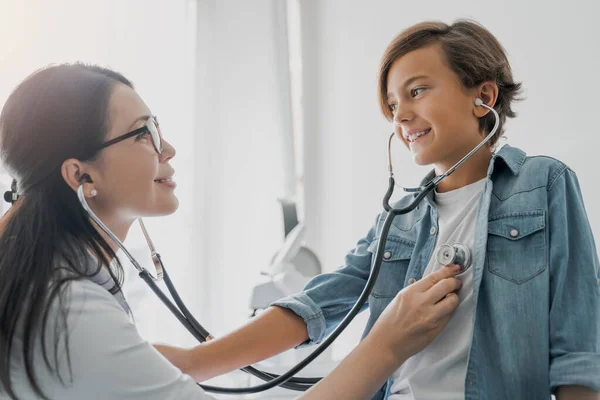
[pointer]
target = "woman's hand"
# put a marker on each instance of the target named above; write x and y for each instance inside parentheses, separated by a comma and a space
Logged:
(409, 323)
(419, 312)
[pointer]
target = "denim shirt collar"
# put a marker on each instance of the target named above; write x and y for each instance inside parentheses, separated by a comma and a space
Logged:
(510, 156)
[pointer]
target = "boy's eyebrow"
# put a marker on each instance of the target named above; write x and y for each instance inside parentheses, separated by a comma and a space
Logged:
(409, 81)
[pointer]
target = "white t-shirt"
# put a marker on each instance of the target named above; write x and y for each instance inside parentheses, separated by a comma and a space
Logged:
(439, 371)
(109, 359)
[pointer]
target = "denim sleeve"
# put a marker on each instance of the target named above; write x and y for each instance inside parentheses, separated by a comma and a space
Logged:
(574, 288)
(327, 298)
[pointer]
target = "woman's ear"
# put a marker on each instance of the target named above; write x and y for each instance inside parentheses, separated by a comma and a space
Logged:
(488, 93)
(74, 173)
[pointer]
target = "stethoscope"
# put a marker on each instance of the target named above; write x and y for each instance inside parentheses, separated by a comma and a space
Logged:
(447, 254)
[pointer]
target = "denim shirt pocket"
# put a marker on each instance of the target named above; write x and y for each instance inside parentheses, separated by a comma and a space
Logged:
(516, 247)
(396, 257)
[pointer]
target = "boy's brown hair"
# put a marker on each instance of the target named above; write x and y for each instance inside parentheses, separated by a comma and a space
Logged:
(471, 51)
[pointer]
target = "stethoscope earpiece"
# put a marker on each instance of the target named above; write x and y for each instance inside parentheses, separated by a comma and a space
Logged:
(11, 196)
(86, 178)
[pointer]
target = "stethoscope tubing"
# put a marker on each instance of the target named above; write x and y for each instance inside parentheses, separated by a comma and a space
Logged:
(286, 380)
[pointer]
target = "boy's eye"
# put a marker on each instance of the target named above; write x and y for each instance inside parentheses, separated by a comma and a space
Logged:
(393, 107)
(416, 91)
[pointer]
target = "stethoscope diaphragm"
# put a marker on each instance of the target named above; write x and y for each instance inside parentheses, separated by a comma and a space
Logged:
(454, 254)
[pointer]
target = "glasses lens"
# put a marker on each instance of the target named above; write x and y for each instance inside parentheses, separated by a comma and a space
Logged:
(155, 133)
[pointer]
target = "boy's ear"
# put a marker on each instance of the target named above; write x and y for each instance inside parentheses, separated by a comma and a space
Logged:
(488, 93)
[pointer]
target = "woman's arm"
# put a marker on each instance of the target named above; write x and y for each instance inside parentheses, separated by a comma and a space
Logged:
(272, 332)
(410, 322)
(294, 320)
(360, 374)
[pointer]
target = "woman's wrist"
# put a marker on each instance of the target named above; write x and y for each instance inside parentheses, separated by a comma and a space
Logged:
(390, 356)
(362, 372)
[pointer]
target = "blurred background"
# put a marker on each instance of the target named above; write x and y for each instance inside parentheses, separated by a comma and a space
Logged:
(276, 99)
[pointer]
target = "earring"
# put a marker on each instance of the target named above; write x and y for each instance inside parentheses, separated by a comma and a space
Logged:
(93, 193)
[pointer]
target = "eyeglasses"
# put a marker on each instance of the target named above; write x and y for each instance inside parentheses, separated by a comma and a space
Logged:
(151, 127)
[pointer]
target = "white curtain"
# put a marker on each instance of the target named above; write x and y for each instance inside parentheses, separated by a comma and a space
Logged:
(243, 124)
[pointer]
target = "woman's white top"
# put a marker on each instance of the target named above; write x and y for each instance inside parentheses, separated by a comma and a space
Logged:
(109, 359)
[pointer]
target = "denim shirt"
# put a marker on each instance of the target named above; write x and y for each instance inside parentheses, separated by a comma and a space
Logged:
(536, 285)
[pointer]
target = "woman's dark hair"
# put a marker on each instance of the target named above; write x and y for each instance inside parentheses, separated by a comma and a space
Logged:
(57, 113)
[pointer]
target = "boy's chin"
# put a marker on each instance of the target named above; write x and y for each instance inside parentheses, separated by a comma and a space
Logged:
(422, 159)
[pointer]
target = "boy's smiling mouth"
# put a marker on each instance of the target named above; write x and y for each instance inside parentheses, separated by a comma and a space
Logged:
(413, 135)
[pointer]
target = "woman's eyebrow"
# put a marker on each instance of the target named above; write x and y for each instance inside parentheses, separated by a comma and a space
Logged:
(142, 118)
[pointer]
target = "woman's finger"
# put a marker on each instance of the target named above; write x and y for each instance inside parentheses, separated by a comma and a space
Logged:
(446, 306)
(442, 288)
(432, 279)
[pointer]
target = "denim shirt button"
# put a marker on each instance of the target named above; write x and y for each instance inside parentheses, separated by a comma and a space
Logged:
(514, 233)
(433, 230)
(387, 255)
(411, 281)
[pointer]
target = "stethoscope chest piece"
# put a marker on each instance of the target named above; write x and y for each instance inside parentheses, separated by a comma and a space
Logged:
(454, 254)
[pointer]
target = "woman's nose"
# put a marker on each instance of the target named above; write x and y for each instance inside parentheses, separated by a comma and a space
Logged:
(168, 151)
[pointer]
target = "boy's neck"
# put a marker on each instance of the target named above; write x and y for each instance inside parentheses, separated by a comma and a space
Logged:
(471, 171)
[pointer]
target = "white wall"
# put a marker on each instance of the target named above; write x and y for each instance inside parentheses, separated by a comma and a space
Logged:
(553, 47)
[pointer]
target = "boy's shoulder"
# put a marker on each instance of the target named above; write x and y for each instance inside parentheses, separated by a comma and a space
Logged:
(546, 163)
(541, 169)
(517, 159)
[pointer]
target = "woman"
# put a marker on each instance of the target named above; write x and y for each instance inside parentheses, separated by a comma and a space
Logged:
(65, 331)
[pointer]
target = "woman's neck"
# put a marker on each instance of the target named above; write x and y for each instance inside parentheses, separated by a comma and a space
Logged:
(471, 171)
(119, 227)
